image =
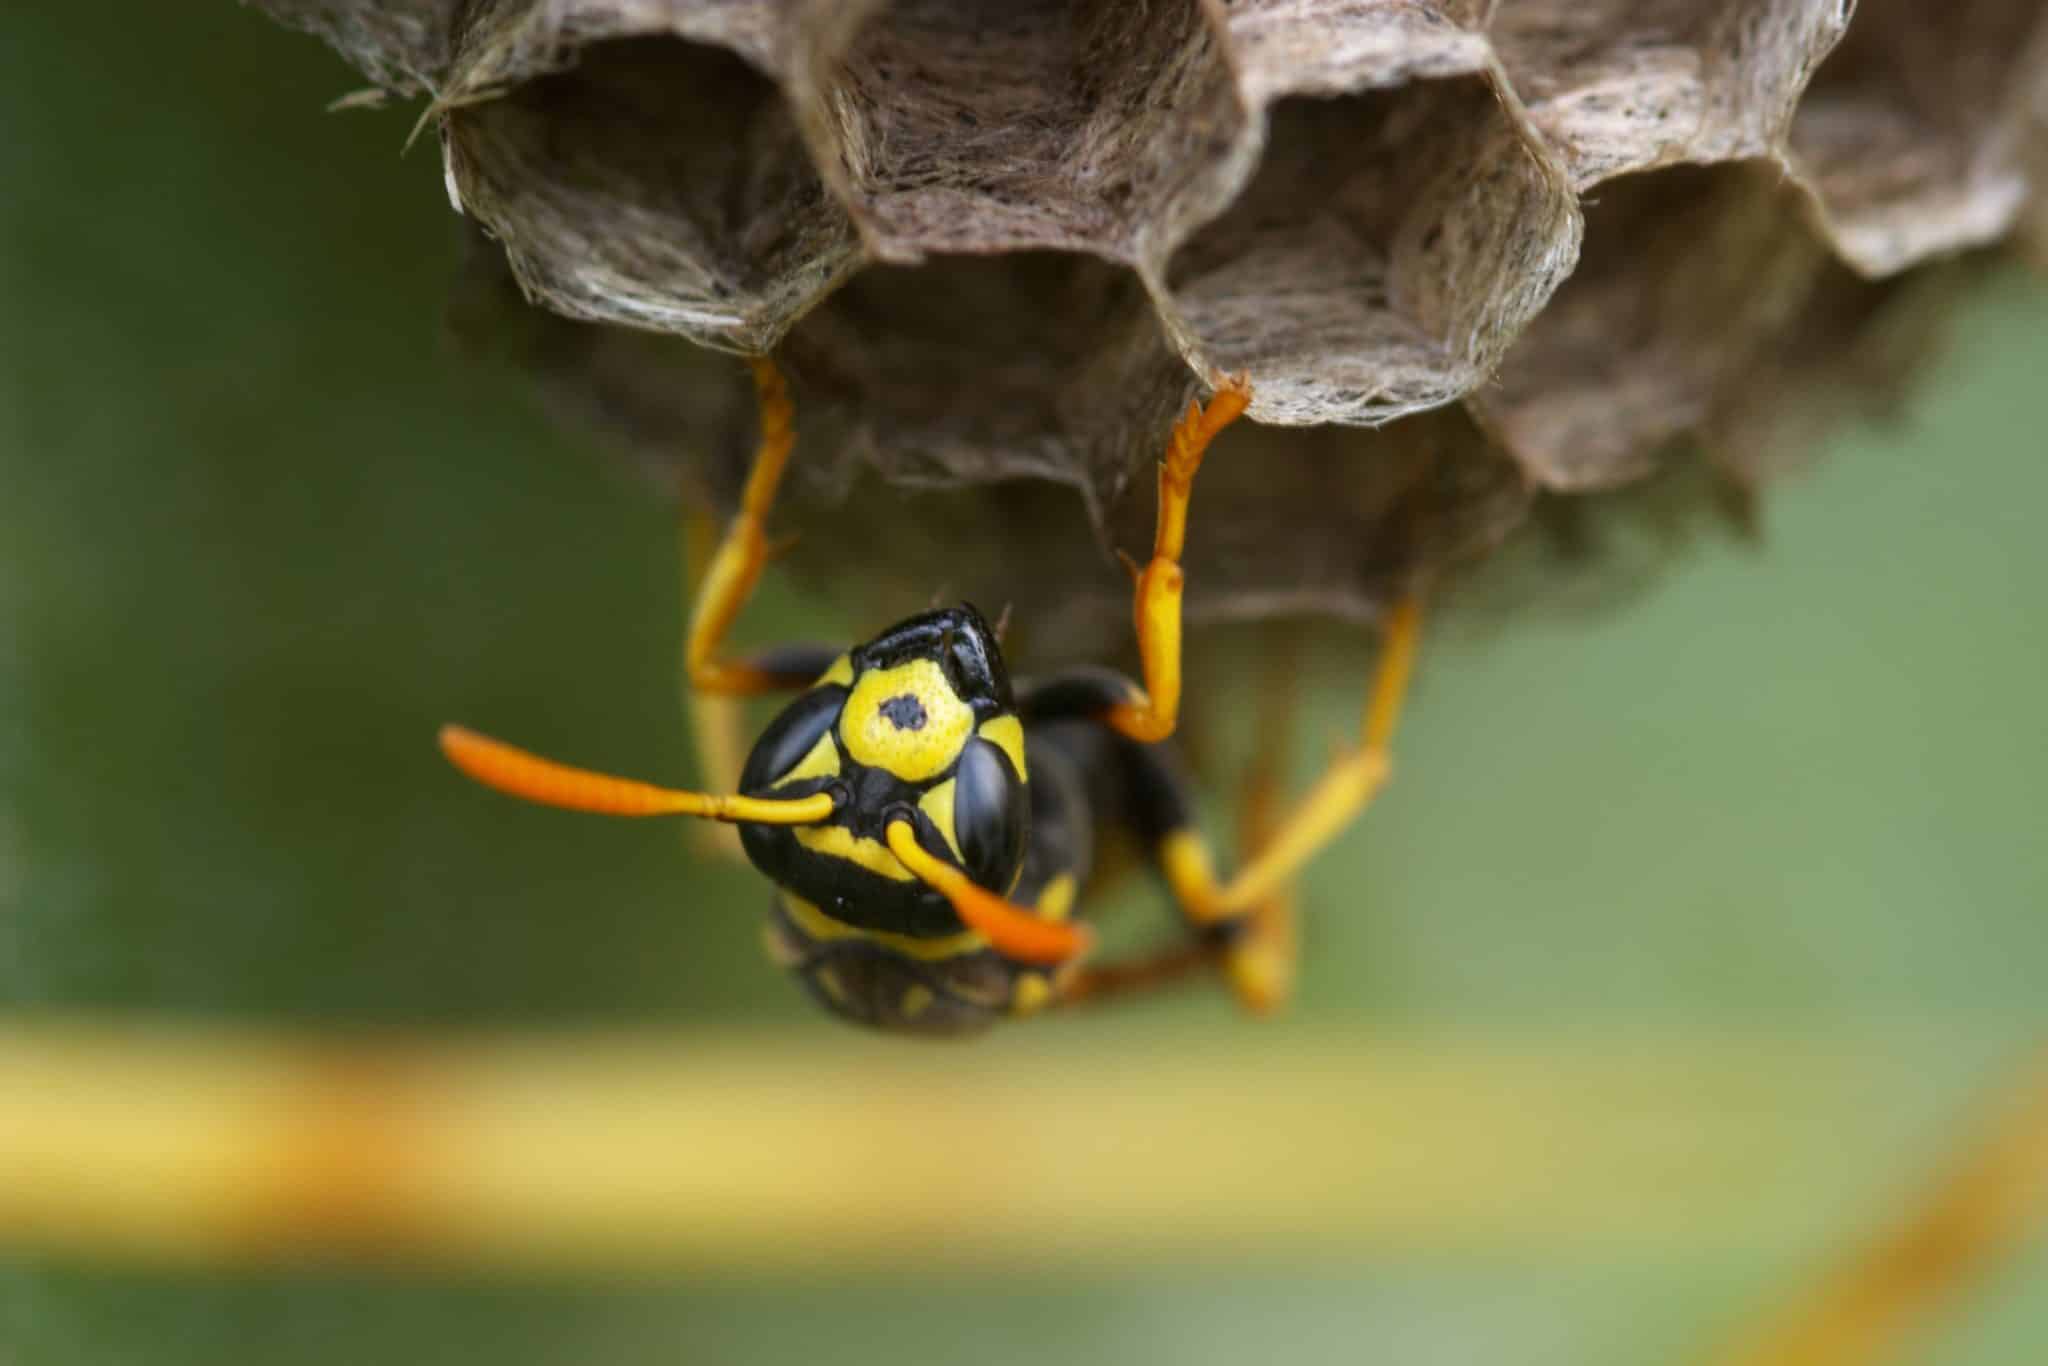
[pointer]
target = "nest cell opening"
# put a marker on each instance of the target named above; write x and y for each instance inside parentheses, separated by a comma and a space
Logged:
(970, 369)
(986, 125)
(1389, 246)
(1686, 276)
(1629, 85)
(1912, 134)
(658, 183)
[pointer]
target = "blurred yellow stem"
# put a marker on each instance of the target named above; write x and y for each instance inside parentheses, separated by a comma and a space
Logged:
(827, 1149)
(1992, 1196)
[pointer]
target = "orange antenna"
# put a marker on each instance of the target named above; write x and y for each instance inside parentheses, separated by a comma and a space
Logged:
(1010, 929)
(517, 773)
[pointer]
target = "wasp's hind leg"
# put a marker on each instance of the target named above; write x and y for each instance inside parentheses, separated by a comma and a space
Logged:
(1347, 785)
(1248, 923)
(1255, 951)
(1263, 951)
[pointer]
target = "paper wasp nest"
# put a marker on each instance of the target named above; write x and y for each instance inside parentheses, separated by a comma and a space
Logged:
(1477, 256)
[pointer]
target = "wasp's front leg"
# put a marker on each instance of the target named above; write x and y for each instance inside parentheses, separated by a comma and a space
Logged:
(1150, 713)
(727, 580)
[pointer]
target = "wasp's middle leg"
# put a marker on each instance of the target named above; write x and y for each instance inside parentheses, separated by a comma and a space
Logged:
(1149, 713)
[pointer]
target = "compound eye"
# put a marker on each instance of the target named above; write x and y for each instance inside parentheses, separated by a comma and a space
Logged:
(991, 815)
(797, 744)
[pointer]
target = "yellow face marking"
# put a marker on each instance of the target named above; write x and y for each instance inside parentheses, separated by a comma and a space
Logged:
(1006, 733)
(841, 673)
(938, 804)
(1056, 902)
(907, 720)
(821, 762)
(836, 841)
(916, 1001)
(1029, 995)
(823, 929)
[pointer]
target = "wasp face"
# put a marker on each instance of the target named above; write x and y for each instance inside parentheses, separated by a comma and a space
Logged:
(917, 724)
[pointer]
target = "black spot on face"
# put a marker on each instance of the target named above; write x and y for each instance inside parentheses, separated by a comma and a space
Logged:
(904, 712)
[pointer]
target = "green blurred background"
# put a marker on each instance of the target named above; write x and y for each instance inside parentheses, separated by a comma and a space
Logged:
(261, 530)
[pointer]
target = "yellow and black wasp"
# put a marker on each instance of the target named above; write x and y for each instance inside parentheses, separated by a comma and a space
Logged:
(928, 825)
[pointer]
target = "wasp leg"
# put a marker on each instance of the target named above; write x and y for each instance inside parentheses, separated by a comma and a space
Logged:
(726, 580)
(1260, 962)
(1106, 982)
(1255, 951)
(716, 723)
(719, 575)
(1262, 956)
(1150, 713)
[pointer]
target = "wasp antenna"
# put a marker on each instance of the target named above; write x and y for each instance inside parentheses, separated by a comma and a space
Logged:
(518, 773)
(1010, 929)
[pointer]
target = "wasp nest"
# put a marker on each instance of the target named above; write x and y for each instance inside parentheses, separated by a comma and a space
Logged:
(1476, 256)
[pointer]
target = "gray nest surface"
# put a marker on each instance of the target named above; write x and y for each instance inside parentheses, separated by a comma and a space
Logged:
(1476, 256)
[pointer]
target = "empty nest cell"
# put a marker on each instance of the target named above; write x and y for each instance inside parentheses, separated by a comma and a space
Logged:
(985, 125)
(1629, 85)
(1913, 137)
(1687, 276)
(658, 183)
(1389, 247)
(1049, 365)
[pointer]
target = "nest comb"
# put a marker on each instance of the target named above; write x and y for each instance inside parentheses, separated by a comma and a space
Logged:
(1478, 257)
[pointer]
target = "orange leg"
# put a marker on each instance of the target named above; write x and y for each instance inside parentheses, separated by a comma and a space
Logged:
(728, 579)
(1260, 963)
(1262, 967)
(1258, 958)
(1151, 712)
(716, 719)
(1102, 983)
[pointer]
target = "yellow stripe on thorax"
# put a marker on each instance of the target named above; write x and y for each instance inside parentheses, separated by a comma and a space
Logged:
(823, 929)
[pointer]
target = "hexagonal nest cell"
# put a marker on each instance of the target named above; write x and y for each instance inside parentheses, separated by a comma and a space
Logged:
(1030, 364)
(999, 245)
(1630, 85)
(1686, 275)
(1915, 135)
(985, 125)
(719, 229)
(1390, 245)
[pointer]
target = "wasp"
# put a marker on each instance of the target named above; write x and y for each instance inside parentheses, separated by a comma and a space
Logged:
(928, 824)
